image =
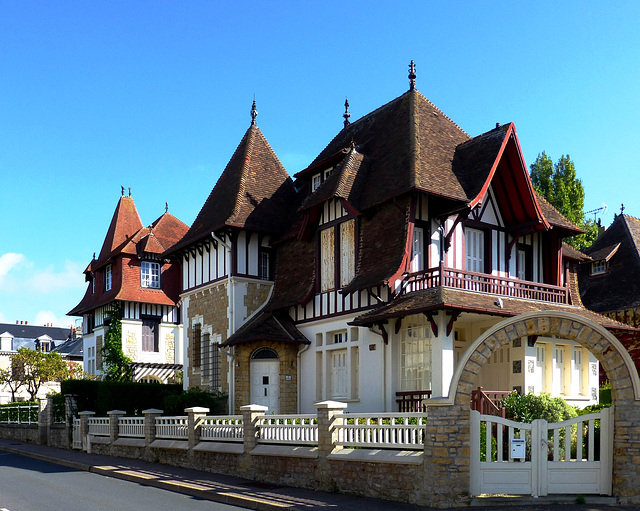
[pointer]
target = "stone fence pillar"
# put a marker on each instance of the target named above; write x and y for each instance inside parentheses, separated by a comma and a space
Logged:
(251, 414)
(150, 424)
(194, 415)
(327, 437)
(84, 428)
(44, 406)
(114, 426)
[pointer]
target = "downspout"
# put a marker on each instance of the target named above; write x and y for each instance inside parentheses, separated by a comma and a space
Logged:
(230, 330)
(298, 363)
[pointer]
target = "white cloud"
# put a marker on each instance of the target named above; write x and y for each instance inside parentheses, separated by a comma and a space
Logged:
(50, 280)
(9, 261)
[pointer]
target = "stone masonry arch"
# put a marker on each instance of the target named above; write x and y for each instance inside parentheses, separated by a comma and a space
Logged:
(447, 442)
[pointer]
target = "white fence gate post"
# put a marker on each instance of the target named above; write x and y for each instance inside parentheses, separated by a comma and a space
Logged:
(474, 485)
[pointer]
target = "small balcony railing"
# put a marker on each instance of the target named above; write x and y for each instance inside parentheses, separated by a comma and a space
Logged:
(483, 283)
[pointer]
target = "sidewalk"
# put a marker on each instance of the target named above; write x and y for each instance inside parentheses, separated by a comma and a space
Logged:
(251, 495)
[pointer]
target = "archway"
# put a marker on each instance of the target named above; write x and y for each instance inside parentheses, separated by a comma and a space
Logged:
(447, 447)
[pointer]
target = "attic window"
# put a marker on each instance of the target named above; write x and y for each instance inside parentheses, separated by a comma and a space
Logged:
(108, 278)
(328, 172)
(150, 274)
(599, 267)
(316, 181)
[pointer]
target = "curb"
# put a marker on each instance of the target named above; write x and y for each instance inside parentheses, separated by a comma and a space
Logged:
(179, 486)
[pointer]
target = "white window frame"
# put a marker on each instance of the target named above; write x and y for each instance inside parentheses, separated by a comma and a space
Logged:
(316, 181)
(416, 357)
(417, 251)
(599, 267)
(150, 274)
(108, 278)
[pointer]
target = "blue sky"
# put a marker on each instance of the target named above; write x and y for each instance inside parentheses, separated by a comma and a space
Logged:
(156, 96)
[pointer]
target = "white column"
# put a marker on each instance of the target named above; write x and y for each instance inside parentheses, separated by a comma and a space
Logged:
(442, 361)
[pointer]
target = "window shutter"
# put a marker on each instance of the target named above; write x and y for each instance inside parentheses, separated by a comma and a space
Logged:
(347, 249)
(327, 262)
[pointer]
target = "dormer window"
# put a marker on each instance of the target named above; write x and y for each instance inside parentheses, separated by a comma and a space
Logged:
(108, 278)
(328, 172)
(150, 274)
(316, 181)
(598, 267)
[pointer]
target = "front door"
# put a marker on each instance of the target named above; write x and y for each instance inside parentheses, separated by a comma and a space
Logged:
(265, 383)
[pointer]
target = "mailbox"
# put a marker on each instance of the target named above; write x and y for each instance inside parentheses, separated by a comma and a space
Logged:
(518, 448)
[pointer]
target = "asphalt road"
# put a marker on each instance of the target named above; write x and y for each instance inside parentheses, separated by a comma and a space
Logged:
(27, 484)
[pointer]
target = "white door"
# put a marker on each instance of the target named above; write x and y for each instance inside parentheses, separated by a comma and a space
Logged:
(265, 383)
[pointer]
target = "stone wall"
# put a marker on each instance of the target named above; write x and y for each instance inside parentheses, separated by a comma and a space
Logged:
(21, 432)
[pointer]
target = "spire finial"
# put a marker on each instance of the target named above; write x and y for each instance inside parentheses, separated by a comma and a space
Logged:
(346, 114)
(621, 209)
(412, 76)
(129, 191)
(254, 112)
(122, 191)
(166, 207)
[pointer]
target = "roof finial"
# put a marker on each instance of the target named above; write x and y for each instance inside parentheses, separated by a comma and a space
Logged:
(412, 76)
(166, 207)
(621, 209)
(129, 191)
(122, 190)
(254, 112)
(346, 114)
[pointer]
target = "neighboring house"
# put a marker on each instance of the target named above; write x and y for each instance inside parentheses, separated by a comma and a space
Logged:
(409, 239)
(23, 335)
(610, 279)
(227, 258)
(71, 352)
(130, 271)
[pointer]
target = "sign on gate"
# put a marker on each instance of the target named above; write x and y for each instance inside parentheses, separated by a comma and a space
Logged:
(569, 457)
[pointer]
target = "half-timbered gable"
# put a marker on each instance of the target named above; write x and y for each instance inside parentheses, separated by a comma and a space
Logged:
(227, 255)
(131, 272)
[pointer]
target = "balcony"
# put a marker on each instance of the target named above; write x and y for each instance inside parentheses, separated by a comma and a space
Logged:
(482, 283)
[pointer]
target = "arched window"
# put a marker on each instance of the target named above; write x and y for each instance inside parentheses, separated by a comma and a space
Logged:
(262, 353)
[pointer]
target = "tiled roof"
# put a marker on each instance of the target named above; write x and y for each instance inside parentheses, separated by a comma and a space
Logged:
(124, 224)
(619, 287)
(569, 252)
(441, 298)
(410, 144)
(32, 332)
(254, 192)
(268, 326)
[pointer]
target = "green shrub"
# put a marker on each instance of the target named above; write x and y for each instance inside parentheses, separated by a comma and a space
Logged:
(527, 408)
(175, 404)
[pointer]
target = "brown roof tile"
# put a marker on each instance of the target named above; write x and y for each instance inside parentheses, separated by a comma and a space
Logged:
(266, 327)
(254, 192)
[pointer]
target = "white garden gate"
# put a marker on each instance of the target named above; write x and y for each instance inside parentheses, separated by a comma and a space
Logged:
(569, 457)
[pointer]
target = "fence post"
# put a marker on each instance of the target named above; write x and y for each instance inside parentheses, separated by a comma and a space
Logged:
(84, 428)
(43, 420)
(250, 416)
(114, 416)
(194, 414)
(150, 424)
(327, 438)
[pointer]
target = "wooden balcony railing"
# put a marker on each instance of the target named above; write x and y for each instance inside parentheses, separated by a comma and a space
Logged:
(483, 283)
(411, 401)
(488, 402)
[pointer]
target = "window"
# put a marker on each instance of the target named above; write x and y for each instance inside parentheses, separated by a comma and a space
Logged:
(150, 274)
(415, 358)
(417, 252)
(524, 268)
(93, 284)
(197, 345)
(316, 181)
(264, 265)
(474, 246)
(339, 374)
(598, 267)
(150, 335)
(108, 278)
(342, 252)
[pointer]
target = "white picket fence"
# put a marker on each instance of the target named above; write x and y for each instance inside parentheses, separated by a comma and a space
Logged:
(172, 428)
(289, 429)
(132, 427)
(99, 426)
(221, 429)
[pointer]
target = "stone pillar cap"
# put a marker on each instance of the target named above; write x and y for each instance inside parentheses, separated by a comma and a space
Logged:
(254, 408)
(86, 412)
(116, 412)
(196, 409)
(152, 410)
(330, 404)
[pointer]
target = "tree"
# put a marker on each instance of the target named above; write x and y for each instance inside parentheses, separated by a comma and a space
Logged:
(35, 368)
(559, 185)
(115, 362)
(13, 377)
